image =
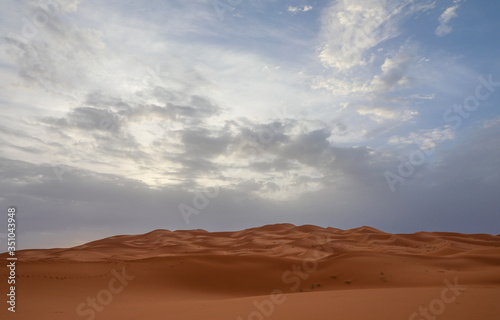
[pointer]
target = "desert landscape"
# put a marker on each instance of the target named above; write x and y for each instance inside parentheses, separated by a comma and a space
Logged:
(250, 160)
(279, 271)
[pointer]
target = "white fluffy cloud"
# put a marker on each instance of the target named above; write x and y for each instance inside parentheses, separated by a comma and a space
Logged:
(361, 72)
(294, 10)
(351, 28)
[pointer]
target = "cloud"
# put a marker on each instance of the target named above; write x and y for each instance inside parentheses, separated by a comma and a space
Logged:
(495, 122)
(351, 28)
(426, 139)
(295, 10)
(444, 28)
(201, 143)
(168, 126)
(382, 114)
(123, 111)
(351, 192)
(376, 82)
(394, 72)
(379, 93)
(57, 58)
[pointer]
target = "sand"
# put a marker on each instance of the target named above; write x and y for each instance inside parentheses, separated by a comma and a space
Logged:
(272, 272)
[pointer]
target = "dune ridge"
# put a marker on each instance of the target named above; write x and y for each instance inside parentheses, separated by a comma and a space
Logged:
(279, 240)
(182, 270)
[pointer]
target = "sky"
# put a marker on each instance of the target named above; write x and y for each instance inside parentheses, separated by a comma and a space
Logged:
(121, 117)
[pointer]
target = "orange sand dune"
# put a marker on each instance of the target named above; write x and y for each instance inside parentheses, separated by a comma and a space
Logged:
(272, 272)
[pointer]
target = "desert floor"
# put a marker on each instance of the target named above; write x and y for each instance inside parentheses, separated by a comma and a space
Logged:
(272, 272)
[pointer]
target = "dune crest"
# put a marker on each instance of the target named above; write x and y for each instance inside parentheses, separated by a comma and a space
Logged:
(309, 265)
(279, 240)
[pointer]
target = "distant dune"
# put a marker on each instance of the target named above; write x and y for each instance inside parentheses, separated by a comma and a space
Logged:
(273, 272)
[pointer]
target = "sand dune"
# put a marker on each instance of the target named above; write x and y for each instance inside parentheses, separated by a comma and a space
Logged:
(272, 272)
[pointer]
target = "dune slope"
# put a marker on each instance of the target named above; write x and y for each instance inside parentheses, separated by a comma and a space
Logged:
(272, 272)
